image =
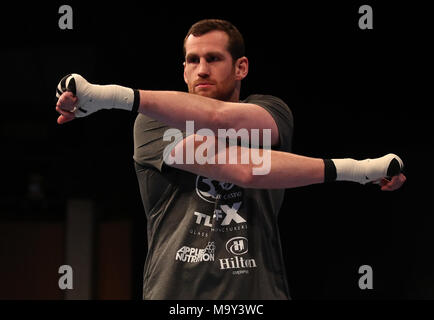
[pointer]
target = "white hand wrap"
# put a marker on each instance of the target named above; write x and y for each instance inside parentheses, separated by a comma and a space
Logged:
(368, 170)
(92, 98)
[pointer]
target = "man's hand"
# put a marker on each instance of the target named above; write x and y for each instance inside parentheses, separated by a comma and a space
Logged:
(393, 184)
(79, 98)
(65, 105)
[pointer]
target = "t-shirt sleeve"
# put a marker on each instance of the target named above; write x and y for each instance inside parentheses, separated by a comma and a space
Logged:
(153, 141)
(281, 114)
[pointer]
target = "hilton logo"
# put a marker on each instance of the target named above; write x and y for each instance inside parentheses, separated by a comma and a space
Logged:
(237, 246)
(237, 263)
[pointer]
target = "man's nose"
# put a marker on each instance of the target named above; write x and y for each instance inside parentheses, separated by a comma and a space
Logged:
(203, 70)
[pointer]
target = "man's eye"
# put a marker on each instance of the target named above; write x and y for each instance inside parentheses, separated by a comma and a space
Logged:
(193, 60)
(213, 59)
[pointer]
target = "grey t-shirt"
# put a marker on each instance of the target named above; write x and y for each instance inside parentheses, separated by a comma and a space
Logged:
(209, 239)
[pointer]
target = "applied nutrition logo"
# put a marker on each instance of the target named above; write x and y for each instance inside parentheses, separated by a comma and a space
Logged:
(193, 255)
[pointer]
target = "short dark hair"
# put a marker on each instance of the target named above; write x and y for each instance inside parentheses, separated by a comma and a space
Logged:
(236, 41)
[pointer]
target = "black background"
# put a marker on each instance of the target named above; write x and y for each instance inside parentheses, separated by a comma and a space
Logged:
(354, 93)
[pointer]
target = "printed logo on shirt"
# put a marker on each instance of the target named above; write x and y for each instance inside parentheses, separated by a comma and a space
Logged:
(237, 246)
(225, 216)
(192, 255)
(239, 265)
(230, 214)
(205, 234)
(213, 190)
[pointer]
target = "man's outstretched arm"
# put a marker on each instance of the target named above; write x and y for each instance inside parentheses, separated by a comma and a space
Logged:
(270, 169)
(170, 107)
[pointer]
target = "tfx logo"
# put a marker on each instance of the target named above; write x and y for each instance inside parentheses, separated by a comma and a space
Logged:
(226, 214)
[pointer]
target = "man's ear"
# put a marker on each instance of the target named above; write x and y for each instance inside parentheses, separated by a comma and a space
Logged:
(241, 68)
(185, 77)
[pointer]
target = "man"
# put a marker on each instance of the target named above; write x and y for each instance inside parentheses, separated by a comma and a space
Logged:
(212, 221)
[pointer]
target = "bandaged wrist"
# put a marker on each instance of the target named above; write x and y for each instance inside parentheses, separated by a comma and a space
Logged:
(368, 170)
(107, 97)
(93, 97)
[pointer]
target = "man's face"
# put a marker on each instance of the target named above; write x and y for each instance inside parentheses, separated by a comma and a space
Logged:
(208, 68)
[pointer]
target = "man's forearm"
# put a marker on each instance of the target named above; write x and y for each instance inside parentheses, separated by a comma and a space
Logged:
(175, 108)
(246, 167)
(287, 170)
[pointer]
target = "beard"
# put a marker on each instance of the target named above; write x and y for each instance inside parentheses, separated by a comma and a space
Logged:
(223, 94)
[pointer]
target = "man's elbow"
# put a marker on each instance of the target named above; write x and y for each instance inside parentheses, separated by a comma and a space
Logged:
(245, 177)
(219, 118)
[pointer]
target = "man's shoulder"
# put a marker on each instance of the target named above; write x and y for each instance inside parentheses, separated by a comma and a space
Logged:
(269, 102)
(144, 122)
(265, 98)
